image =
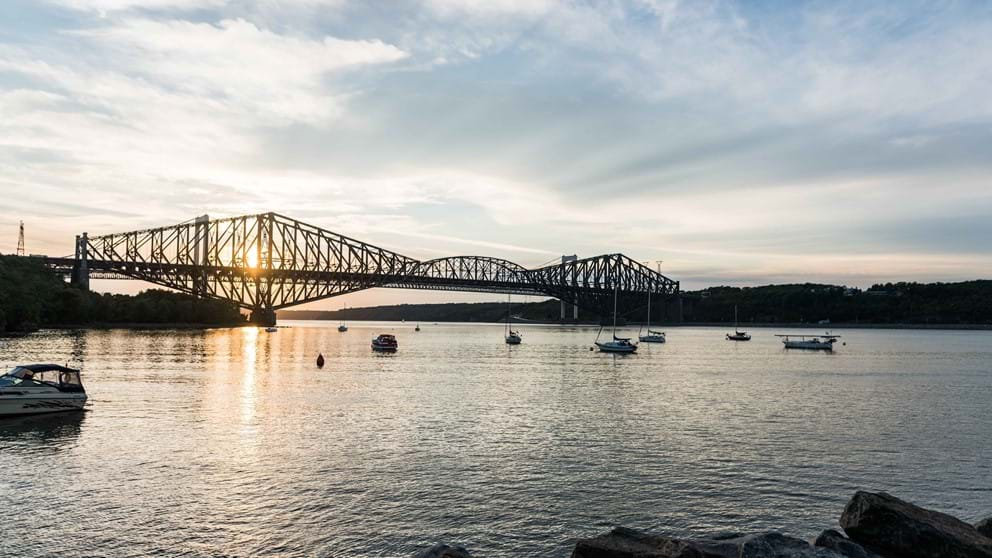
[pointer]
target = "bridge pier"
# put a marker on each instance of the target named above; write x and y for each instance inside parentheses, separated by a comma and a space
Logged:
(263, 316)
(80, 269)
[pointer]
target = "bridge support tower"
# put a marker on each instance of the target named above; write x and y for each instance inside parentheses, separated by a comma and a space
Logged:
(575, 308)
(80, 269)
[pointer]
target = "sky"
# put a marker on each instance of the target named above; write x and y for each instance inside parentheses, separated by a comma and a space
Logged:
(740, 143)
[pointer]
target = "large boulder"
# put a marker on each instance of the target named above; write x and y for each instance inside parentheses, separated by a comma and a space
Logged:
(441, 550)
(891, 527)
(985, 527)
(622, 542)
(842, 545)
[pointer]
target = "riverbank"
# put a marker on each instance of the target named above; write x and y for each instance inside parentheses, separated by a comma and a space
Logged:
(875, 525)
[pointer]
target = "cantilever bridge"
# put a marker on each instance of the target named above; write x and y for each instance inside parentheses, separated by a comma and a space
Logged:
(267, 262)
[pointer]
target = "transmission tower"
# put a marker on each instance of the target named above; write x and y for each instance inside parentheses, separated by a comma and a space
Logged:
(20, 240)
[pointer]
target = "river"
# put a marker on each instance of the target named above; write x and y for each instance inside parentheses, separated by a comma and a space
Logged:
(230, 442)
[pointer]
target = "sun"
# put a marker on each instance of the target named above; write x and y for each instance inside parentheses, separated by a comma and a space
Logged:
(251, 259)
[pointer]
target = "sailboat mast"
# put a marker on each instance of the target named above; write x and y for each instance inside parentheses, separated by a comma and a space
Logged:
(615, 290)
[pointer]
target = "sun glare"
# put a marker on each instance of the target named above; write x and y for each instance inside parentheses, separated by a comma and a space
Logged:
(251, 259)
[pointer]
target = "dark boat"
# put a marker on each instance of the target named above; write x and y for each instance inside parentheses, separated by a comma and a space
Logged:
(385, 343)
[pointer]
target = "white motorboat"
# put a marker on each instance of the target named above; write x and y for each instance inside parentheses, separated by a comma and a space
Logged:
(738, 335)
(31, 389)
(618, 344)
(511, 337)
(809, 342)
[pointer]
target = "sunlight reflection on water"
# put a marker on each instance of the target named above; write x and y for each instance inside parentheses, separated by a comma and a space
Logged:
(233, 442)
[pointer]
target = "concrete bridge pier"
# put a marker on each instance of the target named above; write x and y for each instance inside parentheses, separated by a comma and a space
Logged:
(80, 268)
(265, 317)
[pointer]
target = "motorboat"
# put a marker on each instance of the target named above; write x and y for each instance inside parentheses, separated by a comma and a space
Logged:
(809, 342)
(618, 344)
(272, 329)
(738, 335)
(385, 343)
(652, 336)
(31, 389)
(511, 337)
(342, 328)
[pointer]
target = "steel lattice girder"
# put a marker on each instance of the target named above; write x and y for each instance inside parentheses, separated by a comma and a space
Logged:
(271, 261)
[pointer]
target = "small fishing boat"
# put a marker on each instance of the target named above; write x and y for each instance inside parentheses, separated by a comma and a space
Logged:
(618, 344)
(809, 342)
(511, 337)
(385, 343)
(738, 335)
(31, 389)
(320, 360)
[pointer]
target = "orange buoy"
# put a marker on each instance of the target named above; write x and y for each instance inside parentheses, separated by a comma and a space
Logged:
(320, 361)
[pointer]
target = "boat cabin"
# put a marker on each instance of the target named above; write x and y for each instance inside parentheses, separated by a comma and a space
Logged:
(43, 375)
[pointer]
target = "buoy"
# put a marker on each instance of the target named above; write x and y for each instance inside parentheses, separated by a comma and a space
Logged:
(320, 361)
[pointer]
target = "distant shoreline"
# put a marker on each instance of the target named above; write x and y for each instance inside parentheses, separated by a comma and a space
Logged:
(764, 325)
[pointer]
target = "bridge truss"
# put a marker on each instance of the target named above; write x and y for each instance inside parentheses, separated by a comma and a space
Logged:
(267, 262)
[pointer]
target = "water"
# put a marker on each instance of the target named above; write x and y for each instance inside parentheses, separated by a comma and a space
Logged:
(232, 443)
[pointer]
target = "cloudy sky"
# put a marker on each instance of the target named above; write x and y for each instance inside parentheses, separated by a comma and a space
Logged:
(741, 143)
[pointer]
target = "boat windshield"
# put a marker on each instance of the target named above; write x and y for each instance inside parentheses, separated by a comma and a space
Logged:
(23, 377)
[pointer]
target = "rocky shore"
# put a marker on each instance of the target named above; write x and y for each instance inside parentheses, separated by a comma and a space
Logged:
(875, 525)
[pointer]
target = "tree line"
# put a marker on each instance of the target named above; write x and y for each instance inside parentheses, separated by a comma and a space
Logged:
(31, 296)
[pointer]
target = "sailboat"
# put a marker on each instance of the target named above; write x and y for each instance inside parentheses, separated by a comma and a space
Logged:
(343, 327)
(652, 336)
(512, 337)
(618, 344)
(738, 335)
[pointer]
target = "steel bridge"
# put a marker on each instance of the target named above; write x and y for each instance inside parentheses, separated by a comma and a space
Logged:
(267, 262)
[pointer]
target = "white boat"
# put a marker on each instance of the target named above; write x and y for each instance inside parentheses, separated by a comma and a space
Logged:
(738, 335)
(31, 389)
(511, 337)
(652, 336)
(809, 342)
(618, 344)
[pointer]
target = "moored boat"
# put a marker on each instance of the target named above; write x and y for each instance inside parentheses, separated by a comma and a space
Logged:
(618, 344)
(31, 389)
(511, 337)
(385, 343)
(738, 335)
(809, 342)
(652, 336)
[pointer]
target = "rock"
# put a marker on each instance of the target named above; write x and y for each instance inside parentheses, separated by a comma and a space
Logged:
(985, 527)
(622, 542)
(842, 545)
(891, 527)
(441, 550)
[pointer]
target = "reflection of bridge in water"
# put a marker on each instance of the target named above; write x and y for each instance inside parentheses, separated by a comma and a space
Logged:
(267, 262)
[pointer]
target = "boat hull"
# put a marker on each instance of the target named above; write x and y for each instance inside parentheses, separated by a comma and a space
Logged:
(808, 345)
(13, 405)
(620, 349)
(652, 339)
(738, 337)
(513, 340)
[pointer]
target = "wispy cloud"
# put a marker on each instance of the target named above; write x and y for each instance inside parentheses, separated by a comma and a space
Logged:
(736, 141)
